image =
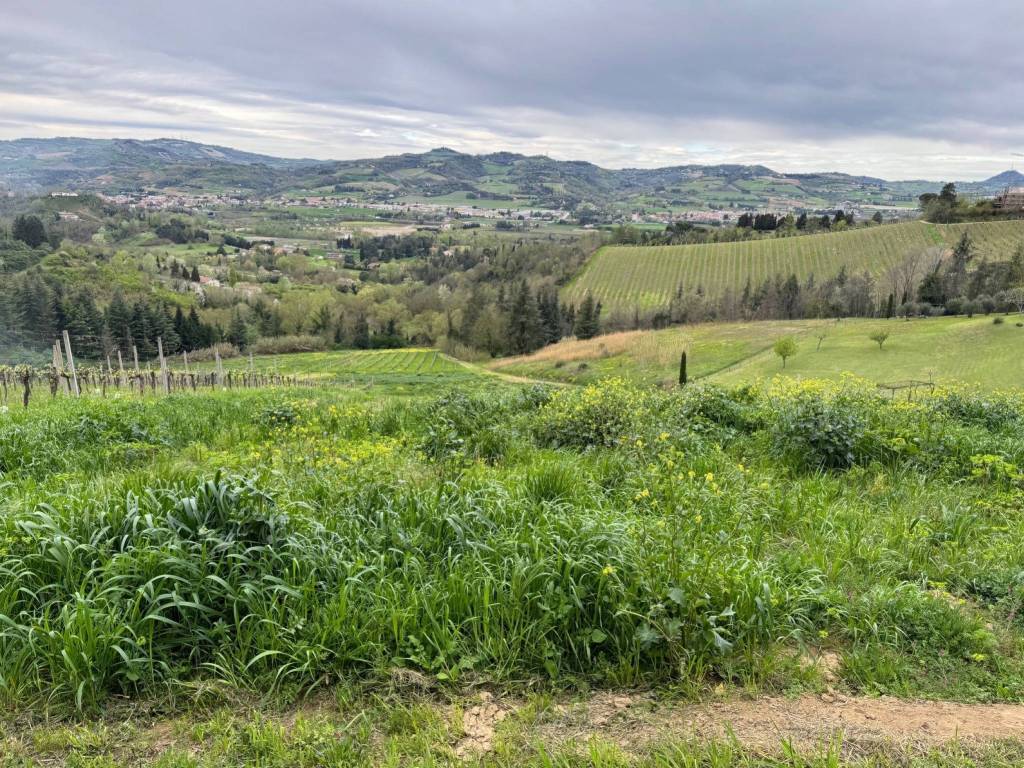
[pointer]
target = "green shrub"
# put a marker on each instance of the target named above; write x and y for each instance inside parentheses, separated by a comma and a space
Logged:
(818, 433)
(601, 414)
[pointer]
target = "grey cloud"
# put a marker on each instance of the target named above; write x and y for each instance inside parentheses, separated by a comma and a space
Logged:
(620, 83)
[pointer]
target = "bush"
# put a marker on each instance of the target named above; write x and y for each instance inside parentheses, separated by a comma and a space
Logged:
(990, 411)
(817, 433)
(997, 321)
(280, 345)
(598, 415)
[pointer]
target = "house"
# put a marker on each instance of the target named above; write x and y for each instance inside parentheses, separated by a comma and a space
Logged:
(1011, 199)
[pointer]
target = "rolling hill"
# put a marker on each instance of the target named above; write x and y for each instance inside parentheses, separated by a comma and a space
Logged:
(444, 175)
(645, 277)
(942, 349)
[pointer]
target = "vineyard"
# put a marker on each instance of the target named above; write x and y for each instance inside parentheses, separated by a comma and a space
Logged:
(628, 277)
(412, 364)
(26, 383)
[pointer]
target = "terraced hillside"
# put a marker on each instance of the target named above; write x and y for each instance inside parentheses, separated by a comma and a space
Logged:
(943, 349)
(627, 277)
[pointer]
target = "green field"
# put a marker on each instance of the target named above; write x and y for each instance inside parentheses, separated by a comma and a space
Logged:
(387, 366)
(341, 577)
(628, 277)
(943, 349)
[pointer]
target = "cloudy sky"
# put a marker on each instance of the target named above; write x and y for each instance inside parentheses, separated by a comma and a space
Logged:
(898, 89)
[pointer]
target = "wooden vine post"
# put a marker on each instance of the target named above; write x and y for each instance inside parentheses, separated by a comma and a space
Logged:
(163, 364)
(71, 365)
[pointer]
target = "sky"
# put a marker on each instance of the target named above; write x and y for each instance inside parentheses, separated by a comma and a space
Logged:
(899, 89)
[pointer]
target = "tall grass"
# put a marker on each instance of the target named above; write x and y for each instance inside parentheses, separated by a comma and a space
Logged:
(280, 539)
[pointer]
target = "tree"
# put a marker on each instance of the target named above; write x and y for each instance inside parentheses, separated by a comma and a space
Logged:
(361, 333)
(238, 331)
(30, 230)
(587, 319)
(194, 277)
(524, 326)
(1016, 297)
(785, 347)
(322, 321)
(821, 338)
(877, 218)
(879, 337)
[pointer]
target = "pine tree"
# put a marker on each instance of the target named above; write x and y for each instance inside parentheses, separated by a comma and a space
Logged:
(587, 319)
(550, 317)
(84, 324)
(35, 306)
(524, 326)
(238, 331)
(119, 320)
(141, 331)
(30, 230)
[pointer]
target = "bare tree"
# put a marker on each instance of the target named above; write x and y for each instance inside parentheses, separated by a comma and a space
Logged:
(1016, 297)
(905, 275)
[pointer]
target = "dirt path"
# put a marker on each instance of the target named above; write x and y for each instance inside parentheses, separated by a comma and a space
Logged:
(636, 722)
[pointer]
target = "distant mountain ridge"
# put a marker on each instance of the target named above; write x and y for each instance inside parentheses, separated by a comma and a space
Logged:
(1011, 178)
(119, 165)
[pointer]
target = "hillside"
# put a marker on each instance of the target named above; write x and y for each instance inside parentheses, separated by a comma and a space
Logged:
(440, 175)
(943, 349)
(628, 277)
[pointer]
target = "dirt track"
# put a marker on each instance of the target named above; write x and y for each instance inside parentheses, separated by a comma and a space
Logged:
(635, 722)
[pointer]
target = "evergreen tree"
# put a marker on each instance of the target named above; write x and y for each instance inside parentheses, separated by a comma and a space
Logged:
(361, 333)
(322, 321)
(30, 230)
(550, 317)
(524, 324)
(141, 331)
(238, 331)
(119, 321)
(587, 319)
(34, 307)
(84, 324)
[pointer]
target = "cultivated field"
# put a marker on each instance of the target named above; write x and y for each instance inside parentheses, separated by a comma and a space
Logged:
(626, 277)
(943, 349)
(388, 366)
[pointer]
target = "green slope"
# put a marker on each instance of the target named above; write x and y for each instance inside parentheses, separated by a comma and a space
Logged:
(944, 349)
(626, 277)
(386, 365)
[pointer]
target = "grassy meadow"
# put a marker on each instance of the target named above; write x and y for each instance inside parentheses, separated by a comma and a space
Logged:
(210, 561)
(975, 351)
(627, 277)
